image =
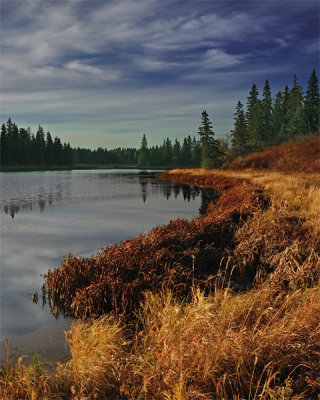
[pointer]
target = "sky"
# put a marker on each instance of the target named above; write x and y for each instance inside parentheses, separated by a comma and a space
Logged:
(103, 73)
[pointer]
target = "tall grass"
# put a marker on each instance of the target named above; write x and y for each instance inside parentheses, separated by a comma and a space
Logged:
(255, 345)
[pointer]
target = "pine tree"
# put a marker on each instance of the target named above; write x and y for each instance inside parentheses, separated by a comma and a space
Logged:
(3, 145)
(295, 120)
(186, 152)
(285, 114)
(253, 117)
(239, 134)
(277, 115)
(143, 157)
(311, 104)
(40, 146)
(210, 152)
(176, 152)
(196, 152)
(167, 151)
(266, 112)
(57, 152)
(49, 152)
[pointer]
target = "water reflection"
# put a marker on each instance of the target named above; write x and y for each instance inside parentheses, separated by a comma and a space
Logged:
(208, 196)
(52, 193)
(148, 187)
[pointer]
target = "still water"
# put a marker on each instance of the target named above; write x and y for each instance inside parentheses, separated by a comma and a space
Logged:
(45, 216)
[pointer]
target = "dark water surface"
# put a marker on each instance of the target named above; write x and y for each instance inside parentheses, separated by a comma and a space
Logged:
(46, 215)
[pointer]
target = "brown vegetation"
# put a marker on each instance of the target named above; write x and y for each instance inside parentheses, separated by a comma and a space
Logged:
(117, 277)
(301, 156)
(226, 306)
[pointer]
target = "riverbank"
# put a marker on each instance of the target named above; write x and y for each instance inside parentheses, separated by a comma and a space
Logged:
(223, 306)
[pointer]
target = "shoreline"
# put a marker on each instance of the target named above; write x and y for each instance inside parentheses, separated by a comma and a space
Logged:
(78, 167)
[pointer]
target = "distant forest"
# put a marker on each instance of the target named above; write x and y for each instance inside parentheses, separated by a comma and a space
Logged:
(266, 121)
(20, 147)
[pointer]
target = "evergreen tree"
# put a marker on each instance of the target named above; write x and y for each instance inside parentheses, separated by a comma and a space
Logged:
(57, 151)
(3, 144)
(49, 152)
(176, 152)
(196, 152)
(277, 115)
(239, 134)
(210, 152)
(311, 104)
(167, 151)
(186, 152)
(266, 112)
(253, 117)
(143, 157)
(285, 114)
(295, 118)
(40, 146)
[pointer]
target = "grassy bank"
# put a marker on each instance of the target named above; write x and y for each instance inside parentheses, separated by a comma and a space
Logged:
(226, 306)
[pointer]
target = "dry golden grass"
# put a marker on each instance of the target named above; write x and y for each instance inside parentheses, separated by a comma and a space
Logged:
(254, 345)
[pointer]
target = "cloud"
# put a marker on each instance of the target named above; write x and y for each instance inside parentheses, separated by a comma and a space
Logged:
(120, 61)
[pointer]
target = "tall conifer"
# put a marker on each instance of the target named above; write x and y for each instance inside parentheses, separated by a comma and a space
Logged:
(239, 134)
(266, 112)
(311, 104)
(210, 152)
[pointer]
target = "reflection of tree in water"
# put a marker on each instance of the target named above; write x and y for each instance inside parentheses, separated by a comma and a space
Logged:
(13, 209)
(167, 188)
(176, 190)
(144, 180)
(207, 196)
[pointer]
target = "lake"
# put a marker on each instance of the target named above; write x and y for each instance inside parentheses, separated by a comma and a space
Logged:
(46, 215)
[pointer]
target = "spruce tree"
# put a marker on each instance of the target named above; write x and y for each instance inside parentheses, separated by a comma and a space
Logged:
(186, 152)
(49, 152)
(253, 117)
(210, 152)
(277, 115)
(3, 145)
(266, 112)
(285, 114)
(167, 151)
(196, 152)
(311, 104)
(295, 120)
(176, 152)
(143, 157)
(239, 136)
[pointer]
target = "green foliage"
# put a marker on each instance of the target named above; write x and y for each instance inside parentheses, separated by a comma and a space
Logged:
(268, 122)
(210, 148)
(239, 133)
(311, 104)
(143, 157)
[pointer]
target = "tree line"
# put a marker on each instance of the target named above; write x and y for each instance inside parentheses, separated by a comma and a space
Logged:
(265, 121)
(20, 147)
(268, 120)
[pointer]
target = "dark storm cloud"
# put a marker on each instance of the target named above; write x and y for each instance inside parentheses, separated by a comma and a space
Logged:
(92, 70)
